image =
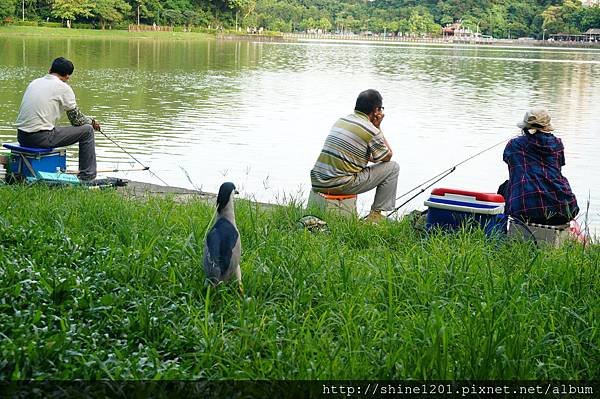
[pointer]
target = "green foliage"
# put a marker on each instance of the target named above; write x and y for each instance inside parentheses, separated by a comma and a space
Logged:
(51, 24)
(81, 25)
(421, 21)
(27, 23)
(71, 9)
(510, 18)
(97, 286)
(590, 18)
(110, 11)
(7, 9)
(149, 10)
(245, 7)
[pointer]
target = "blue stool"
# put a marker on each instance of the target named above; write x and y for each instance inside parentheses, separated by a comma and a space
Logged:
(26, 161)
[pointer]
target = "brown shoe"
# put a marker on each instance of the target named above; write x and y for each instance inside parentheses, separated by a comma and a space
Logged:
(374, 217)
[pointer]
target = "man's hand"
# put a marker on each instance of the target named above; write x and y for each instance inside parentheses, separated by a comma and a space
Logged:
(377, 118)
(96, 125)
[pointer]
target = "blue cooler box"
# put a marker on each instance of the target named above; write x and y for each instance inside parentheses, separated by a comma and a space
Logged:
(450, 209)
(25, 160)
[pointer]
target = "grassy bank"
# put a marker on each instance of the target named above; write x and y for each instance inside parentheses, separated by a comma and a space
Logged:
(94, 285)
(97, 33)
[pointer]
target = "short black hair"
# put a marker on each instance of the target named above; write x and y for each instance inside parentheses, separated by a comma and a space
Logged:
(62, 66)
(368, 101)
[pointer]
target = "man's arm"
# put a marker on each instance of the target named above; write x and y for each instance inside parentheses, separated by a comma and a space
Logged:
(388, 157)
(77, 118)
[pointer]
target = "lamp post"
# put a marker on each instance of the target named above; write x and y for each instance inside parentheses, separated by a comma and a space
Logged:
(23, 9)
(544, 34)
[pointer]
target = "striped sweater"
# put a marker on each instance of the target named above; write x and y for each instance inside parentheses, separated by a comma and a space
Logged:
(352, 143)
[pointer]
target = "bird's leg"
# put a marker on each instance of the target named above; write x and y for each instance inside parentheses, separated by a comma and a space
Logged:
(238, 277)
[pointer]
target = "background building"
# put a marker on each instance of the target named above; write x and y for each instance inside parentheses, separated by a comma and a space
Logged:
(590, 2)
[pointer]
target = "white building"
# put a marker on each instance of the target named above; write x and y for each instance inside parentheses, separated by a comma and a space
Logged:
(587, 3)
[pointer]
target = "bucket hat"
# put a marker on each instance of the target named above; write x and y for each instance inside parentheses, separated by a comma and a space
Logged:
(536, 118)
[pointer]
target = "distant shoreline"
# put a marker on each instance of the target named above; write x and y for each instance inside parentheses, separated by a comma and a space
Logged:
(37, 31)
(439, 41)
(50, 32)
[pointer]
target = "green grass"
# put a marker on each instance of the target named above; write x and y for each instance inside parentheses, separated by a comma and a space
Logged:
(98, 33)
(94, 285)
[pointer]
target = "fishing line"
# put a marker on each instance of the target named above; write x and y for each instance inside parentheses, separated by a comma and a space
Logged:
(422, 191)
(439, 177)
(134, 158)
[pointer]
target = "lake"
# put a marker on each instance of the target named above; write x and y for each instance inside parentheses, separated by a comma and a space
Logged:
(203, 112)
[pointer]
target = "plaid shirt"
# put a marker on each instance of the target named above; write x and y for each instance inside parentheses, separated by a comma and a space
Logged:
(537, 188)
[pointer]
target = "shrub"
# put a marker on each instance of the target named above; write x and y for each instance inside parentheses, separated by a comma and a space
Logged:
(124, 25)
(201, 29)
(51, 24)
(81, 25)
(26, 23)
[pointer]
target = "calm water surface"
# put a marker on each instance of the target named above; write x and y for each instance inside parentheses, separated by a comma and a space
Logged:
(203, 112)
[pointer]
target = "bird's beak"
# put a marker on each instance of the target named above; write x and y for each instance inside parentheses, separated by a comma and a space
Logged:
(236, 191)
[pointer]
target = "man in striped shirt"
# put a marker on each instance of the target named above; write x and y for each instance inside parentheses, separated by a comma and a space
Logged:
(354, 141)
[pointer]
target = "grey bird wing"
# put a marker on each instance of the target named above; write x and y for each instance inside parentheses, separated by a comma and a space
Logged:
(218, 250)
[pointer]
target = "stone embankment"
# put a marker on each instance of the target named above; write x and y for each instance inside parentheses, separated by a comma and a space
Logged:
(448, 40)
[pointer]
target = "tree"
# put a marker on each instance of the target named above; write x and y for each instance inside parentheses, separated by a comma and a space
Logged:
(71, 9)
(196, 17)
(325, 24)
(172, 17)
(281, 26)
(110, 11)
(421, 21)
(243, 7)
(495, 21)
(146, 9)
(590, 18)
(7, 9)
(564, 18)
(553, 19)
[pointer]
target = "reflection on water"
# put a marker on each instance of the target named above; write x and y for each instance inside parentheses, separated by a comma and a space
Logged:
(257, 114)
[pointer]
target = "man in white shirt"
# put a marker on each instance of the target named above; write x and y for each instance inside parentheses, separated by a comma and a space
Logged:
(43, 103)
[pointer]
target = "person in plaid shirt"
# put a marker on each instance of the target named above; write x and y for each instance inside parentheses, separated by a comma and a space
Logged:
(536, 191)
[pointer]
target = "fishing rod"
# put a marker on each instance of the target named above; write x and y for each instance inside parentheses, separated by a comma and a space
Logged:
(439, 177)
(74, 172)
(134, 158)
(422, 191)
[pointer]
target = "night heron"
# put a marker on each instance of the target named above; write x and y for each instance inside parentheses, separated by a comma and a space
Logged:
(222, 248)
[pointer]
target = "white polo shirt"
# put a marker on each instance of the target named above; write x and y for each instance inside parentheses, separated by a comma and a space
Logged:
(44, 101)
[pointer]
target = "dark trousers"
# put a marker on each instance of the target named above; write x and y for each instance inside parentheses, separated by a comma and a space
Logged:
(555, 220)
(64, 136)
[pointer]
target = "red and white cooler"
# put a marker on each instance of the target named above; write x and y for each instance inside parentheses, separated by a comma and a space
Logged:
(451, 208)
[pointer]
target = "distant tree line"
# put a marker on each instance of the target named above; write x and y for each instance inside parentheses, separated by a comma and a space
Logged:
(507, 18)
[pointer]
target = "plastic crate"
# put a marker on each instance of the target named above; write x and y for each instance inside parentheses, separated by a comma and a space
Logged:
(26, 161)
